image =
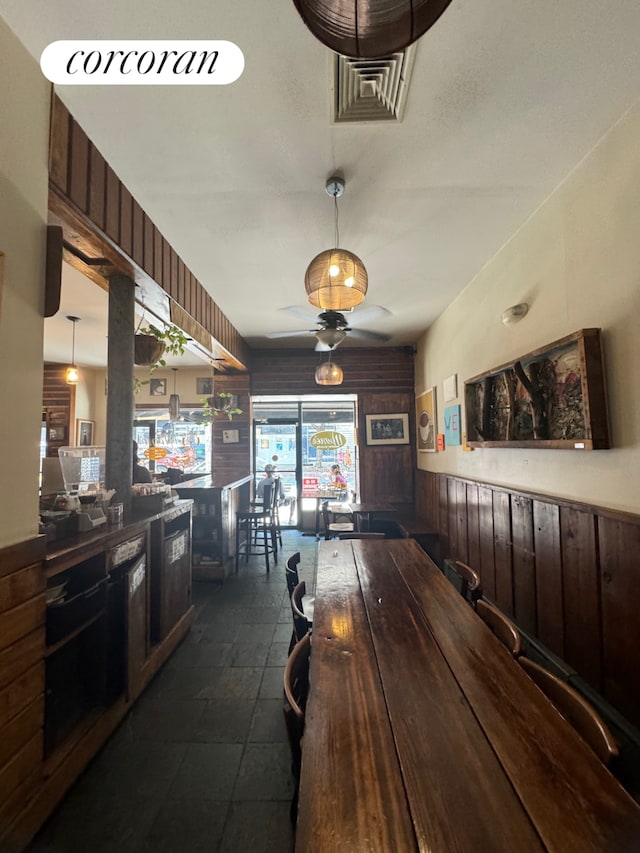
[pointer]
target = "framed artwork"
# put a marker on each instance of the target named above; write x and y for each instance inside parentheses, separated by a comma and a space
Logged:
(56, 433)
(553, 397)
(452, 434)
(450, 388)
(388, 429)
(204, 386)
(84, 432)
(426, 421)
(158, 387)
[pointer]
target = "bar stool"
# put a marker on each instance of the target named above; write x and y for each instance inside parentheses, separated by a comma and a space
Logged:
(257, 523)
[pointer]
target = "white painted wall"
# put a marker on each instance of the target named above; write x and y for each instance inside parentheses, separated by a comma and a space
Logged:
(576, 261)
(24, 142)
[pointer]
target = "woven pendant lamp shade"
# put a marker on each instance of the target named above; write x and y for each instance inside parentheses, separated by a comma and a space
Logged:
(329, 374)
(336, 280)
(369, 29)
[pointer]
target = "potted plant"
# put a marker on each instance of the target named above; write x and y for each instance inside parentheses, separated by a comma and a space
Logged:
(151, 343)
(223, 403)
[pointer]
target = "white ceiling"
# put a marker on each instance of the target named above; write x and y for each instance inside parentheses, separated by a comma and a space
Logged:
(506, 98)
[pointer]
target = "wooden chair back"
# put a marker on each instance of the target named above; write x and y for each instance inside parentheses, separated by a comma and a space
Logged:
(291, 572)
(301, 624)
(502, 627)
(465, 579)
(356, 535)
(296, 690)
(575, 709)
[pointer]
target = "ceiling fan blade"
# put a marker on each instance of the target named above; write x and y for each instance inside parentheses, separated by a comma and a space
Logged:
(366, 335)
(301, 313)
(296, 334)
(369, 314)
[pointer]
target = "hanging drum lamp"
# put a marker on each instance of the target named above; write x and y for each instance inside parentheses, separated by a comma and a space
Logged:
(369, 29)
(336, 279)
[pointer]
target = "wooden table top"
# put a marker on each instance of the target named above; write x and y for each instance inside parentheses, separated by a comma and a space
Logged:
(422, 733)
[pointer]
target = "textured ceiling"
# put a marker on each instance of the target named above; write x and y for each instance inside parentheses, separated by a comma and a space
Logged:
(506, 98)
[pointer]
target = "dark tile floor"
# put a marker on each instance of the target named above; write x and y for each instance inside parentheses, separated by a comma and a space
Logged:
(202, 762)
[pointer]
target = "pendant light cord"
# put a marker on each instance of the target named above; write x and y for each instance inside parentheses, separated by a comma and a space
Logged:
(335, 202)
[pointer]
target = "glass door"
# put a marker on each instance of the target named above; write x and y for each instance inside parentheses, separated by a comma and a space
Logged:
(276, 443)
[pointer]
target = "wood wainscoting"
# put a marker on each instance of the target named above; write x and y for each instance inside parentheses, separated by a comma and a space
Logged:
(568, 573)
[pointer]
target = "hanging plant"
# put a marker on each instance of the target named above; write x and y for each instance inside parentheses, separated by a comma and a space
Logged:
(223, 403)
(150, 345)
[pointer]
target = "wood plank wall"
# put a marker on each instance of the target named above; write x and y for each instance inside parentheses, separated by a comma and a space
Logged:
(566, 572)
(57, 403)
(79, 174)
(382, 379)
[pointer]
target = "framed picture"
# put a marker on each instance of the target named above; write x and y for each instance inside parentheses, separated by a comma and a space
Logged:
(56, 433)
(426, 421)
(158, 387)
(388, 429)
(204, 386)
(84, 432)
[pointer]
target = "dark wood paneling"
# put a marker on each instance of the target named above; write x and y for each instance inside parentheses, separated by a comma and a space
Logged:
(574, 576)
(524, 579)
(487, 541)
(15, 557)
(79, 167)
(385, 471)
(138, 234)
(126, 221)
(112, 214)
(101, 205)
(582, 627)
(473, 526)
(619, 573)
(502, 551)
(548, 569)
(461, 521)
(97, 187)
(59, 145)
(452, 519)
(57, 402)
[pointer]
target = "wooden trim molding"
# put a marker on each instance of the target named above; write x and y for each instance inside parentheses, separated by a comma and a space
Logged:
(22, 554)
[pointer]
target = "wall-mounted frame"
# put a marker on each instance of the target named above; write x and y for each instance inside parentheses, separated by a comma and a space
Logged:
(157, 387)
(426, 421)
(56, 433)
(388, 428)
(204, 386)
(84, 432)
(553, 397)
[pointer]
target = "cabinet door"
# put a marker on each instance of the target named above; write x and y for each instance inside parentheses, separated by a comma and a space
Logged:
(136, 625)
(176, 579)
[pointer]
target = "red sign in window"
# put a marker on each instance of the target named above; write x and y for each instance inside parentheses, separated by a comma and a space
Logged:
(309, 487)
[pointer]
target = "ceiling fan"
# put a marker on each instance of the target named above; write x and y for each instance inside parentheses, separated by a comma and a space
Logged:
(334, 326)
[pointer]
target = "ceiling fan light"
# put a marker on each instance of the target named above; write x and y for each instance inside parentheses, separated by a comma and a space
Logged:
(331, 337)
(369, 30)
(328, 373)
(330, 291)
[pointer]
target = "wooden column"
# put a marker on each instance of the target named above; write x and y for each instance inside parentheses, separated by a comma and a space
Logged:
(119, 454)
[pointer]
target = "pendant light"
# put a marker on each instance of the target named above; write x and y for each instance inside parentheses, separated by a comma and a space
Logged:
(369, 29)
(336, 279)
(328, 373)
(72, 374)
(174, 400)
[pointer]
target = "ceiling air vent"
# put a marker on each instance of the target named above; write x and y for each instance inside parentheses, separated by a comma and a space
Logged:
(372, 89)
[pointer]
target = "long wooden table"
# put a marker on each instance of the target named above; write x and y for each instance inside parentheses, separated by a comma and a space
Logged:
(423, 734)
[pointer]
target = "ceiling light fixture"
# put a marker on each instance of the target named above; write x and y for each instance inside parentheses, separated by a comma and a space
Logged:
(72, 375)
(174, 400)
(369, 29)
(336, 279)
(328, 373)
(515, 313)
(331, 337)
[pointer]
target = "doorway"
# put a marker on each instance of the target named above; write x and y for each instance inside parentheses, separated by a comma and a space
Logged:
(304, 437)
